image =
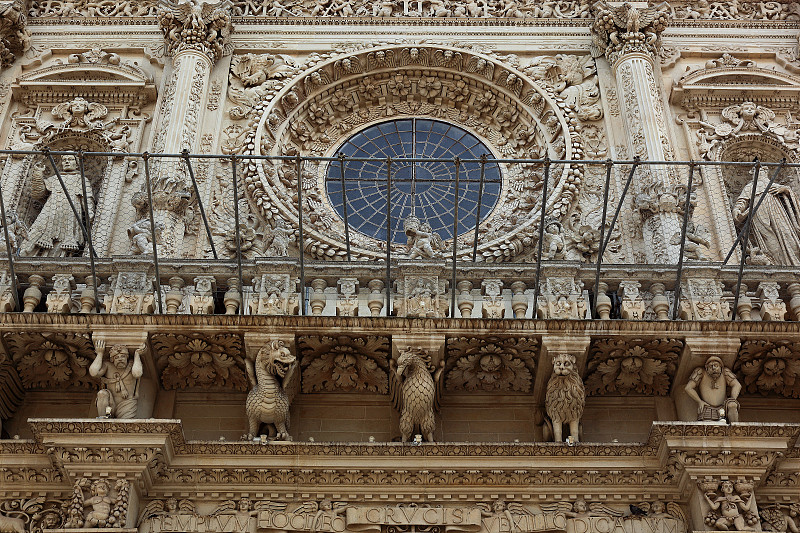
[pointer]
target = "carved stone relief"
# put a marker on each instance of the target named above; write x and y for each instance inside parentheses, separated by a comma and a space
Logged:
(52, 360)
(343, 363)
(490, 364)
(99, 509)
(769, 368)
(632, 367)
(565, 397)
(416, 387)
(729, 504)
(32, 515)
(197, 360)
(310, 108)
(273, 380)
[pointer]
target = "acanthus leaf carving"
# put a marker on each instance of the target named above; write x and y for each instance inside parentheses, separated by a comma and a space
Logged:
(770, 367)
(619, 366)
(201, 26)
(491, 364)
(344, 363)
(212, 361)
(625, 29)
(52, 360)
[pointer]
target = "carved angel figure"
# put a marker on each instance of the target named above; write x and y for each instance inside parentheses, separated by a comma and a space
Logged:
(423, 242)
(581, 509)
(79, 114)
(272, 381)
(416, 392)
(565, 397)
(255, 69)
(324, 511)
(734, 508)
(168, 507)
(99, 509)
(502, 510)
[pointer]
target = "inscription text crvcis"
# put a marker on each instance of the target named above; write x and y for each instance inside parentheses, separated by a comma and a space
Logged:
(375, 519)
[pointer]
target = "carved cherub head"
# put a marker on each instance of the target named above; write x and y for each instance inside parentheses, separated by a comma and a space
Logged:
(563, 364)
(245, 504)
(100, 488)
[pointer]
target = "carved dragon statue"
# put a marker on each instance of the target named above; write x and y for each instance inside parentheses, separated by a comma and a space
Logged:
(416, 392)
(273, 384)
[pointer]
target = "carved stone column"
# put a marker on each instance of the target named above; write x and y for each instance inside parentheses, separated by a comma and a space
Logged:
(630, 37)
(197, 35)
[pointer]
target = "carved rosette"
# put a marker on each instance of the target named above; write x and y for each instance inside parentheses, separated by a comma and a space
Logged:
(491, 364)
(317, 109)
(619, 366)
(202, 27)
(770, 367)
(204, 361)
(344, 364)
(52, 360)
(622, 30)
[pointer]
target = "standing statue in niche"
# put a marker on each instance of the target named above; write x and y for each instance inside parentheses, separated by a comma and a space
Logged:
(775, 227)
(56, 232)
(119, 397)
(708, 386)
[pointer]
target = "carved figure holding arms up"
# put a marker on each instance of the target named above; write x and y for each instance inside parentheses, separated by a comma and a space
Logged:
(119, 397)
(714, 388)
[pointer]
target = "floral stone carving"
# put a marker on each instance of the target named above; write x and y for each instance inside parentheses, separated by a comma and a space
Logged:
(15, 38)
(770, 368)
(781, 517)
(33, 515)
(619, 366)
(273, 385)
(416, 387)
(200, 361)
(565, 397)
(352, 364)
(99, 510)
(491, 364)
(52, 360)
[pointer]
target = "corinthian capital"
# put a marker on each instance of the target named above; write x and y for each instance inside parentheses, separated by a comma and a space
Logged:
(14, 36)
(197, 25)
(625, 29)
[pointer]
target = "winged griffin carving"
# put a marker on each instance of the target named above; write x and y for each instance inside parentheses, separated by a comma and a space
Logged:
(416, 392)
(274, 383)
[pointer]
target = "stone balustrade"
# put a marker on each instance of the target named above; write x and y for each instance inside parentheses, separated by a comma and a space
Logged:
(417, 289)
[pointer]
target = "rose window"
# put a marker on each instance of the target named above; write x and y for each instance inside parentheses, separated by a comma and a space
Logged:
(425, 189)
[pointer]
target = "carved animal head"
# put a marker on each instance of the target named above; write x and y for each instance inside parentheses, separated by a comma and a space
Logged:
(563, 364)
(411, 358)
(276, 358)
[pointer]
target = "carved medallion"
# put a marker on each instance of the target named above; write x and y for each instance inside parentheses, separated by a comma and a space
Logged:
(619, 366)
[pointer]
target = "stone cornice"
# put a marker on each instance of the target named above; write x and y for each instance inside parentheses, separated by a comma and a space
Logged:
(387, 325)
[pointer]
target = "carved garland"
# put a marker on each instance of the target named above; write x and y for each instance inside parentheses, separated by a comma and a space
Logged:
(317, 111)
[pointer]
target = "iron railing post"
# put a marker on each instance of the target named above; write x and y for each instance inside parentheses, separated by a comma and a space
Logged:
(601, 248)
(541, 236)
(185, 156)
(457, 163)
(236, 230)
(146, 158)
(344, 206)
(299, 170)
(89, 232)
(388, 236)
(679, 274)
(478, 213)
(12, 273)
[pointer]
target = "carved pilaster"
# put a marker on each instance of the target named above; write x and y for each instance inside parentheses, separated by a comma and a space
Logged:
(630, 39)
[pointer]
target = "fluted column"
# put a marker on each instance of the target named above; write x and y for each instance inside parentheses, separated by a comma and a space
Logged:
(197, 35)
(630, 39)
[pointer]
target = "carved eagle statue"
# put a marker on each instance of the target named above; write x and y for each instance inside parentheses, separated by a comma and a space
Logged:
(416, 387)
(610, 21)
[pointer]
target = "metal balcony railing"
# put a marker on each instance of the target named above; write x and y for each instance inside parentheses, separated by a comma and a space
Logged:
(692, 194)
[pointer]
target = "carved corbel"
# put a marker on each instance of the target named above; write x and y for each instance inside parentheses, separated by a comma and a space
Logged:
(15, 38)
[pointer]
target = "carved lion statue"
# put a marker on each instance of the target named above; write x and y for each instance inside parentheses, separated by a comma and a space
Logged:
(273, 384)
(566, 396)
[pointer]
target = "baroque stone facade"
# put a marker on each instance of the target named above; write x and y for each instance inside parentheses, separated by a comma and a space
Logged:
(399, 266)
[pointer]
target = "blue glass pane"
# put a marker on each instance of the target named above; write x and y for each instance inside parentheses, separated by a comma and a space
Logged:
(426, 189)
